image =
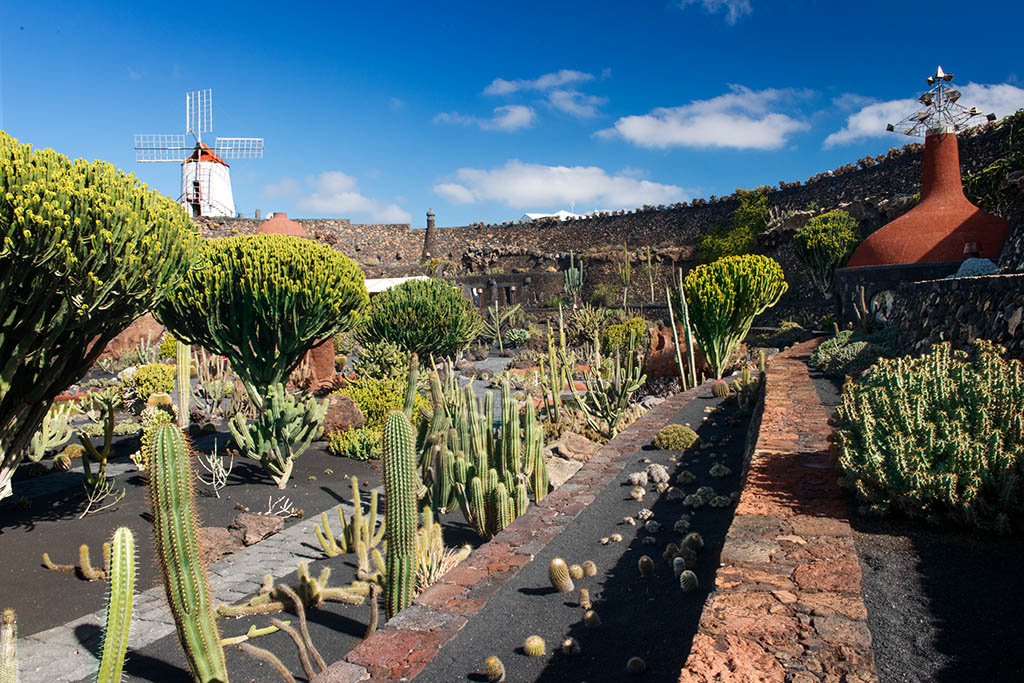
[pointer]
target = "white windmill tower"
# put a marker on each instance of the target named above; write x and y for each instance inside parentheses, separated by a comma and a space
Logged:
(205, 177)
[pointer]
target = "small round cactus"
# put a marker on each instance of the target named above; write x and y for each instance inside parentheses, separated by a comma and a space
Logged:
(637, 493)
(652, 526)
(605, 540)
(645, 514)
(720, 388)
(675, 438)
(689, 556)
(570, 647)
(591, 620)
(575, 572)
(688, 581)
(61, 462)
(589, 568)
(685, 477)
(645, 565)
(615, 538)
(558, 572)
(636, 666)
(656, 473)
(678, 565)
(495, 670)
(681, 526)
(585, 599)
(534, 646)
(719, 470)
(694, 541)
(671, 550)
(637, 478)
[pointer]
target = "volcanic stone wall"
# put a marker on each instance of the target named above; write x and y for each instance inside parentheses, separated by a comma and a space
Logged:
(960, 310)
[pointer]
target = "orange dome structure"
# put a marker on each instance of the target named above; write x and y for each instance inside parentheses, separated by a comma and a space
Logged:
(280, 224)
(944, 226)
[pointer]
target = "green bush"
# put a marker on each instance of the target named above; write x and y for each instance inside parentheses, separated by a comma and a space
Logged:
(939, 437)
(675, 438)
(155, 378)
(168, 346)
(262, 301)
(378, 396)
(426, 317)
(790, 332)
(518, 336)
(824, 243)
(739, 236)
(617, 336)
(724, 297)
(605, 295)
(381, 359)
(85, 249)
(358, 443)
(851, 353)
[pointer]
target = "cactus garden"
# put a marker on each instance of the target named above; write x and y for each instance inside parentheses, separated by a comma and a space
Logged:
(713, 441)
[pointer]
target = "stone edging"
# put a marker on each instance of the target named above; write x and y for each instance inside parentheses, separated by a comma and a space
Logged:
(787, 604)
(409, 641)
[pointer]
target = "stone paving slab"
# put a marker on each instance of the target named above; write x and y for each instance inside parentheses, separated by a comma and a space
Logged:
(404, 646)
(65, 653)
(788, 604)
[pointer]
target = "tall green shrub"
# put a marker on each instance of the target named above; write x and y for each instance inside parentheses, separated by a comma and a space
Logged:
(423, 317)
(84, 250)
(262, 301)
(739, 235)
(939, 437)
(724, 297)
(824, 243)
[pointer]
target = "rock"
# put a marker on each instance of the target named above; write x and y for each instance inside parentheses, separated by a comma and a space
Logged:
(560, 470)
(321, 364)
(253, 528)
(342, 672)
(477, 354)
(342, 414)
(575, 447)
(466, 367)
(215, 542)
(729, 657)
(649, 402)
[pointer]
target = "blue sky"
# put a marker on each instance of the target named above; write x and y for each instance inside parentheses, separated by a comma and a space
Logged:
(484, 111)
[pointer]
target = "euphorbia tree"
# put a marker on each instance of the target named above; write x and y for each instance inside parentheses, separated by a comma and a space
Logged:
(263, 301)
(84, 250)
(724, 297)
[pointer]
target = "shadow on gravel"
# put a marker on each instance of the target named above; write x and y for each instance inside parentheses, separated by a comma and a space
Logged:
(653, 618)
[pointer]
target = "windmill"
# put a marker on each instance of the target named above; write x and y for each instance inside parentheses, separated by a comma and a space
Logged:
(205, 177)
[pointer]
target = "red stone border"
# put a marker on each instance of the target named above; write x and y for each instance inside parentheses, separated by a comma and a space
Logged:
(409, 641)
(788, 603)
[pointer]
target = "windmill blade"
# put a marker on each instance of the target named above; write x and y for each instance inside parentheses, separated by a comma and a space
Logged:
(161, 148)
(239, 148)
(199, 112)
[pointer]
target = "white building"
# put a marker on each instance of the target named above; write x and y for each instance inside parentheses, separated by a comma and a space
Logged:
(561, 216)
(206, 184)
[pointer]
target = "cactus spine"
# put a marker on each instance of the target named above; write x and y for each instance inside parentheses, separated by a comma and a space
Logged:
(183, 362)
(177, 546)
(119, 606)
(8, 647)
(400, 487)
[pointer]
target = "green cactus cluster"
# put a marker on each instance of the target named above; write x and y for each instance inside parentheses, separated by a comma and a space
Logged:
(85, 249)
(938, 437)
(175, 525)
(358, 528)
(824, 243)
(281, 432)
(311, 591)
(489, 473)
(262, 301)
(724, 297)
(572, 278)
(608, 391)
(149, 379)
(675, 438)
(54, 432)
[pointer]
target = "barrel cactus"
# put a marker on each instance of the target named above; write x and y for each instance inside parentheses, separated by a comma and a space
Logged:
(85, 249)
(675, 438)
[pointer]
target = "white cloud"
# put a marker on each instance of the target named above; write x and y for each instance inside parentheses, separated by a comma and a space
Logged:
(500, 86)
(509, 118)
(870, 120)
(575, 103)
(335, 193)
(734, 9)
(740, 119)
(535, 186)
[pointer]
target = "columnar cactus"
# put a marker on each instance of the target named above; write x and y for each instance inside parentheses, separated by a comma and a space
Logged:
(572, 280)
(183, 359)
(119, 606)
(400, 486)
(85, 249)
(608, 393)
(177, 547)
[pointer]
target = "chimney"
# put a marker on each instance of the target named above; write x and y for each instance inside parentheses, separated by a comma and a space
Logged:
(430, 238)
